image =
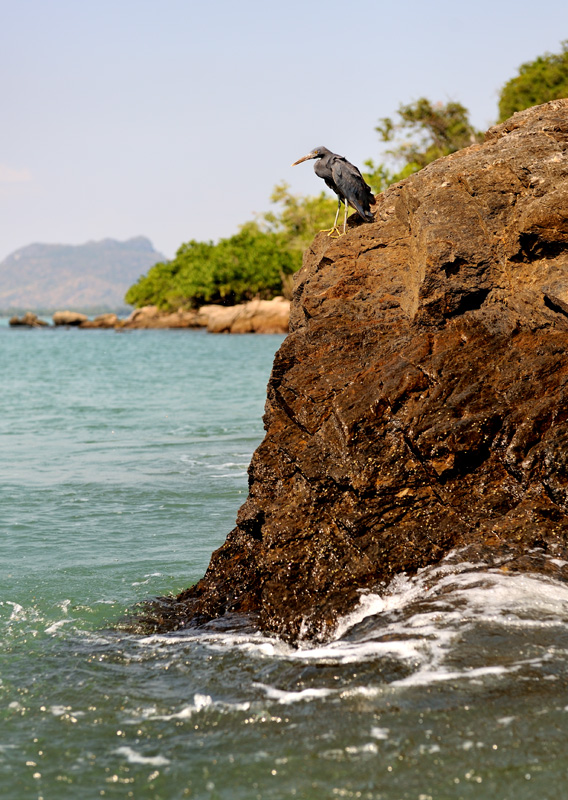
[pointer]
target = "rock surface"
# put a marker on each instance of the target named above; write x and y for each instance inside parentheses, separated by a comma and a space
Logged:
(420, 403)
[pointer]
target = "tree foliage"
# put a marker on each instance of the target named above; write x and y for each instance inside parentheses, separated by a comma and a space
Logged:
(423, 132)
(250, 264)
(538, 81)
(298, 218)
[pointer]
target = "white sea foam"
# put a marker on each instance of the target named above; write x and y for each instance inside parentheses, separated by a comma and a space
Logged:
(148, 578)
(425, 676)
(227, 465)
(285, 698)
(201, 702)
(135, 758)
(18, 612)
(417, 623)
(54, 627)
(505, 721)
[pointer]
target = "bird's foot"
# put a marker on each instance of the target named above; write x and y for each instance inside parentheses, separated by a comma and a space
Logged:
(334, 232)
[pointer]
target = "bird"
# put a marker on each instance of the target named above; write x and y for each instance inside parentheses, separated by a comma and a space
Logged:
(346, 181)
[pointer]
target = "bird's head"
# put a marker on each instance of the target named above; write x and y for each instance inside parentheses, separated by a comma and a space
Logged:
(317, 152)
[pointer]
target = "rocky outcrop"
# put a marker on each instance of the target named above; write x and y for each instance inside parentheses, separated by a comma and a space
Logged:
(420, 402)
(29, 320)
(69, 318)
(152, 317)
(102, 321)
(256, 316)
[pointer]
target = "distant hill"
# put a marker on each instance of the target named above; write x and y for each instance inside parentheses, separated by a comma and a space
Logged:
(92, 276)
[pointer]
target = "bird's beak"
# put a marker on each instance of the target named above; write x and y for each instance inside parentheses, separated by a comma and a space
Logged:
(305, 158)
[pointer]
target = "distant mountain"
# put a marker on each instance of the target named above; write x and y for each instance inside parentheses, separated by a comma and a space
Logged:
(92, 276)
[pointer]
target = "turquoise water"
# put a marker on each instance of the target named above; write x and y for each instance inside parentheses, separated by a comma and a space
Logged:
(124, 461)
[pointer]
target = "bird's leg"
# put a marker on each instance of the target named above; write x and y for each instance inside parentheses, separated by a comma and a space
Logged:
(345, 217)
(335, 232)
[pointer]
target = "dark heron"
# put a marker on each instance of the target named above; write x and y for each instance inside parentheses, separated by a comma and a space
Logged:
(346, 181)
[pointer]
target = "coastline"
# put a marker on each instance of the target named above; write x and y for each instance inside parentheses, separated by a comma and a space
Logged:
(255, 316)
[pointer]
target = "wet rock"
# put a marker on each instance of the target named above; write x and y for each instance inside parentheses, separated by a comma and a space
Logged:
(420, 403)
(29, 320)
(69, 318)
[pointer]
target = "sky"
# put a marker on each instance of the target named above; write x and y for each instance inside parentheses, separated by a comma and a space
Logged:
(174, 119)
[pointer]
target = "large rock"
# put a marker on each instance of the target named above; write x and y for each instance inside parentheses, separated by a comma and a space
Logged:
(69, 318)
(152, 317)
(420, 402)
(256, 316)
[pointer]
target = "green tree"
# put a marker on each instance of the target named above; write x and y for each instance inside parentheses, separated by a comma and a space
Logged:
(538, 81)
(250, 264)
(423, 132)
(297, 218)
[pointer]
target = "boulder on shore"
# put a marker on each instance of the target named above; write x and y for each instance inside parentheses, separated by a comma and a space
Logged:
(420, 403)
(256, 316)
(153, 317)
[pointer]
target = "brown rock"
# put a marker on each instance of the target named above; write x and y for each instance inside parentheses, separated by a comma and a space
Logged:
(263, 316)
(219, 319)
(420, 402)
(102, 321)
(152, 317)
(256, 316)
(69, 318)
(29, 320)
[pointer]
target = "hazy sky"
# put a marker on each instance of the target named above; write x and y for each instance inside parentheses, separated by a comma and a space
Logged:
(174, 119)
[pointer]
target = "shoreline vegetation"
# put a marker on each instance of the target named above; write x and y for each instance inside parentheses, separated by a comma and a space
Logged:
(254, 316)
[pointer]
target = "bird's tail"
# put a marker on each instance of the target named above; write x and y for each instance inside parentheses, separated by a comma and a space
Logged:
(365, 213)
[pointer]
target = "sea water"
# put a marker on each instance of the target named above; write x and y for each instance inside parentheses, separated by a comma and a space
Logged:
(123, 459)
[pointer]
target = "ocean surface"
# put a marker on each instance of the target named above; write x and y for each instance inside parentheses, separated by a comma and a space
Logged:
(123, 459)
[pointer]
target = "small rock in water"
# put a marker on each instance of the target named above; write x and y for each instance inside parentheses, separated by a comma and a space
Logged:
(69, 318)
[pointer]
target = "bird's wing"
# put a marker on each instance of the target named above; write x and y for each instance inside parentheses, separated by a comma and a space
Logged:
(341, 168)
(339, 175)
(352, 186)
(336, 170)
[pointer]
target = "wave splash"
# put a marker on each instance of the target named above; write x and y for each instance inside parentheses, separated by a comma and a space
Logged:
(450, 622)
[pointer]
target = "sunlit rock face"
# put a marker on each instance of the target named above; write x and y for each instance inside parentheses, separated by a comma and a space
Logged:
(419, 403)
